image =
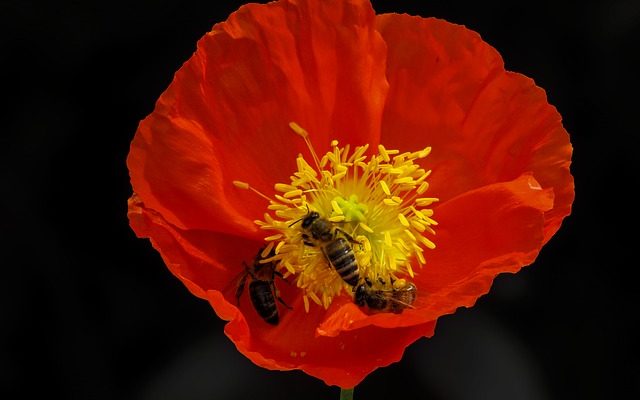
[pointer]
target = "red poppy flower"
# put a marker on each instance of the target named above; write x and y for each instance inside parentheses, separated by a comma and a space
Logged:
(415, 121)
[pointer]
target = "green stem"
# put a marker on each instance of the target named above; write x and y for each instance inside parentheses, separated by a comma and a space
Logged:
(346, 394)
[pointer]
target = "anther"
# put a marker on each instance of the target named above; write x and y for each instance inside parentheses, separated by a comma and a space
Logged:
(385, 188)
(298, 129)
(403, 220)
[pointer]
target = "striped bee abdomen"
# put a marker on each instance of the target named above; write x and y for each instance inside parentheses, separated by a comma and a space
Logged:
(340, 254)
(263, 299)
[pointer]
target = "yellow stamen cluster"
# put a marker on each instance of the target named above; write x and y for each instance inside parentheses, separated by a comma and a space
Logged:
(378, 201)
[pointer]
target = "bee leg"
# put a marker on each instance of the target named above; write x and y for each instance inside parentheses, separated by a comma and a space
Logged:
(326, 256)
(347, 236)
(279, 275)
(277, 296)
(306, 241)
(283, 303)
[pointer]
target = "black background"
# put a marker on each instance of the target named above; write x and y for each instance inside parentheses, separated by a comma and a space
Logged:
(90, 312)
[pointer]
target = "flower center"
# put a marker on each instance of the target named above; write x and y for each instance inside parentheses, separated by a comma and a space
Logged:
(352, 210)
(351, 217)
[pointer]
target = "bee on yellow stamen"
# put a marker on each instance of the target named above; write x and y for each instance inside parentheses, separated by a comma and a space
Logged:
(373, 213)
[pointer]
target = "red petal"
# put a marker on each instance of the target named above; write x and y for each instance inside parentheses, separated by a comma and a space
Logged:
(225, 116)
(344, 360)
(209, 265)
(202, 260)
(482, 233)
(449, 90)
(495, 229)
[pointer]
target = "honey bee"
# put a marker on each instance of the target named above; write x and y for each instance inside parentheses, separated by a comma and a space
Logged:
(262, 289)
(334, 243)
(385, 299)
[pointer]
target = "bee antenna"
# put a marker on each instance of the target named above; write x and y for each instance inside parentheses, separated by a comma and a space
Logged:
(298, 220)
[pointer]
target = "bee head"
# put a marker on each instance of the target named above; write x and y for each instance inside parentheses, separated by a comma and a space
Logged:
(258, 265)
(308, 220)
(360, 295)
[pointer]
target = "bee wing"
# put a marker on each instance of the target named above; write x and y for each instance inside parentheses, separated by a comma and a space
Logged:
(400, 302)
(378, 299)
(236, 284)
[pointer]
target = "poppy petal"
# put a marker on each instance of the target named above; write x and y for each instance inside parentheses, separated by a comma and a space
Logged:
(344, 360)
(449, 90)
(482, 233)
(202, 260)
(491, 230)
(209, 265)
(225, 116)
